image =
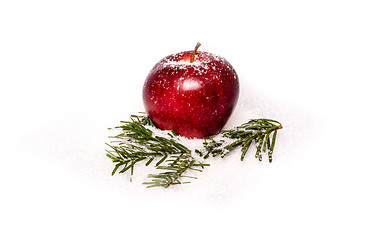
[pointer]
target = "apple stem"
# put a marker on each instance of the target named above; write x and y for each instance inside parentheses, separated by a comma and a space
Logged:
(194, 52)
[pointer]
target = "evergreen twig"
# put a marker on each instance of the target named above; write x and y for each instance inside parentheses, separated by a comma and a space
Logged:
(138, 143)
(256, 131)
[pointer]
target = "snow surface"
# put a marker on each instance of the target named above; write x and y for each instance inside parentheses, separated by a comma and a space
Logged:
(71, 69)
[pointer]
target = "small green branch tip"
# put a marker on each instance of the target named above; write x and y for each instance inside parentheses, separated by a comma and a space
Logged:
(138, 143)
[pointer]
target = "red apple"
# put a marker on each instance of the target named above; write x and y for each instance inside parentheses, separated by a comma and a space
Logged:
(192, 93)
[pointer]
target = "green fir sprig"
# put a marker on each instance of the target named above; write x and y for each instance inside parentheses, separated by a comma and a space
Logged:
(137, 142)
(262, 132)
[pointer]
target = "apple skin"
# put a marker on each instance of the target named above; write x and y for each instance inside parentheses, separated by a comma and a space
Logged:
(193, 99)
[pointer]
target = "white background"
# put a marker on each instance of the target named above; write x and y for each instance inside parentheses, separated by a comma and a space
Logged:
(71, 69)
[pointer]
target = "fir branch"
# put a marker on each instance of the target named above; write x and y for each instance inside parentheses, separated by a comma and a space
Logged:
(257, 131)
(138, 143)
(174, 171)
